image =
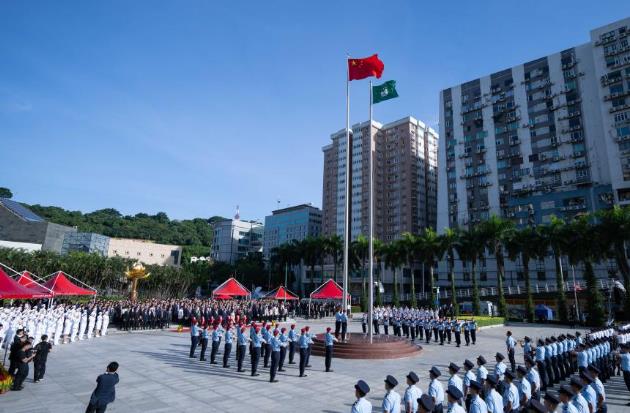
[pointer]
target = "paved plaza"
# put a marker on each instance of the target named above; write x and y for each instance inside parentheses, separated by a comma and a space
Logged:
(156, 375)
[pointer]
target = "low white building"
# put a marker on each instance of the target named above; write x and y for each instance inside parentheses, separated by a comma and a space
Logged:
(147, 252)
(235, 239)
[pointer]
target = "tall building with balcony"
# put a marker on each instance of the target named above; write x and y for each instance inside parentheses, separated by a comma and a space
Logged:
(547, 137)
(292, 223)
(405, 179)
(235, 239)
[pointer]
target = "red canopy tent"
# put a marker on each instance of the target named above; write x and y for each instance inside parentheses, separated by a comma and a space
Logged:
(230, 289)
(27, 281)
(281, 293)
(11, 289)
(329, 290)
(59, 284)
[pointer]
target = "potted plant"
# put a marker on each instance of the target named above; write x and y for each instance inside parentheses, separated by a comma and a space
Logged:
(6, 381)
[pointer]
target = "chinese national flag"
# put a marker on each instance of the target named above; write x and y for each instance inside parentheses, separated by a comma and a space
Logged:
(361, 68)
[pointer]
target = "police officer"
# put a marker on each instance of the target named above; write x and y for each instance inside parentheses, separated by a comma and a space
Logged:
(194, 338)
(524, 386)
(303, 343)
(344, 326)
(510, 344)
(227, 347)
(625, 364)
(293, 338)
(216, 342)
(454, 396)
(436, 391)
(329, 340)
(499, 370)
(267, 336)
(511, 400)
(551, 401)
(275, 356)
(467, 333)
(477, 404)
(412, 393)
(494, 400)
(447, 328)
(588, 392)
(391, 401)
(257, 342)
(361, 405)
(455, 380)
(457, 329)
(283, 349)
(338, 316)
(241, 341)
(469, 377)
(539, 355)
(425, 404)
(533, 377)
(473, 331)
(566, 393)
(578, 400)
(482, 372)
(204, 342)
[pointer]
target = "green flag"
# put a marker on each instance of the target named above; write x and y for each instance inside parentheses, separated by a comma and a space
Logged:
(384, 92)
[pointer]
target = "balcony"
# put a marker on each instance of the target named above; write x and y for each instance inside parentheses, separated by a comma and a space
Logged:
(616, 95)
(623, 138)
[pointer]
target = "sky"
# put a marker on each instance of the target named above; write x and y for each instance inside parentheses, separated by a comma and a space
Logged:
(193, 107)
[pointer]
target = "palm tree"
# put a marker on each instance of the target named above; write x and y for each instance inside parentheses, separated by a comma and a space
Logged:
(394, 258)
(431, 248)
(526, 243)
(553, 237)
(310, 251)
(334, 249)
(469, 248)
(379, 261)
(494, 232)
(360, 250)
(615, 229)
(450, 238)
(585, 248)
(408, 250)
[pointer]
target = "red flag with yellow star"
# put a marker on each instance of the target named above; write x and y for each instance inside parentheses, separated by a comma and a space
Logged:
(361, 68)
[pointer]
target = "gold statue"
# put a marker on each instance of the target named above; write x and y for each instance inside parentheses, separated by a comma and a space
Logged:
(137, 272)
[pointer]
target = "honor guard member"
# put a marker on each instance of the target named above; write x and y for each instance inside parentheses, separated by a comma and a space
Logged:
(241, 341)
(441, 331)
(194, 338)
(412, 393)
(524, 386)
(391, 401)
(599, 388)
(511, 401)
(482, 372)
(457, 329)
(454, 396)
(625, 364)
(435, 325)
(477, 404)
(275, 356)
(499, 370)
(455, 380)
(293, 338)
(338, 316)
(447, 328)
(216, 342)
(310, 346)
(467, 333)
(494, 400)
(552, 401)
(204, 342)
(329, 340)
(578, 400)
(425, 404)
(267, 336)
(257, 342)
(566, 393)
(303, 345)
(344, 326)
(588, 392)
(469, 377)
(510, 344)
(386, 323)
(436, 391)
(227, 347)
(361, 405)
(539, 354)
(427, 330)
(283, 349)
(473, 331)
(533, 377)
(534, 406)
(527, 347)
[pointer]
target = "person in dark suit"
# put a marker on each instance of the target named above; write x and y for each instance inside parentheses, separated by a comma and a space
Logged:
(105, 391)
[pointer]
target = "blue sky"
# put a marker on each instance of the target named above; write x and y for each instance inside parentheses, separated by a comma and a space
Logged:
(192, 107)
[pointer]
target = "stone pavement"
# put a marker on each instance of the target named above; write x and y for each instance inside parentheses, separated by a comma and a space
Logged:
(156, 375)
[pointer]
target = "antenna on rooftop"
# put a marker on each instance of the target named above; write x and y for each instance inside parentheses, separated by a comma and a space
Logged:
(238, 214)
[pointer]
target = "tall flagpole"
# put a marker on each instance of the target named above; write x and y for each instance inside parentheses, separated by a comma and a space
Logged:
(371, 222)
(346, 221)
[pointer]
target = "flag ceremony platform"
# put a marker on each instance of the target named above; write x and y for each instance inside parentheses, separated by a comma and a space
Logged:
(357, 346)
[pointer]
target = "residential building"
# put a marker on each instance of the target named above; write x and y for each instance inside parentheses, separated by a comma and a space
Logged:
(235, 239)
(147, 252)
(289, 224)
(405, 179)
(21, 228)
(549, 137)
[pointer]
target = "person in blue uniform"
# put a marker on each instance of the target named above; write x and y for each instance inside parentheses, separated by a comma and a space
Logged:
(283, 349)
(412, 393)
(455, 380)
(436, 391)
(457, 329)
(467, 333)
(293, 338)
(338, 316)
(454, 396)
(361, 405)
(307, 330)
(329, 340)
(477, 404)
(204, 342)
(391, 401)
(551, 401)
(194, 338)
(510, 344)
(241, 341)
(344, 326)
(227, 347)
(267, 336)
(257, 342)
(566, 393)
(511, 399)
(303, 343)
(494, 400)
(533, 377)
(276, 344)
(625, 364)
(482, 372)
(469, 377)
(425, 404)
(499, 370)
(473, 331)
(216, 342)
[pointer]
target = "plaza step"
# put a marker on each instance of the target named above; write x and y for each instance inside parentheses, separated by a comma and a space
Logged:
(357, 346)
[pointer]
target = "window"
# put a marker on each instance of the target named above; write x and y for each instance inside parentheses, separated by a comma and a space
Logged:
(483, 276)
(542, 275)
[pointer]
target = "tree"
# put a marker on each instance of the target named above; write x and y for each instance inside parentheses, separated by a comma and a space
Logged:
(493, 234)
(587, 249)
(450, 240)
(394, 259)
(525, 243)
(360, 251)
(469, 248)
(334, 249)
(615, 231)
(310, 248)
(378, 260)
(554, 237)
(6, 193)
(409, 251)
(431, 247)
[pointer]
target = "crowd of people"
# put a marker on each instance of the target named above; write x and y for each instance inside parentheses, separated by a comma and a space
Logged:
(578, 366)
